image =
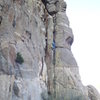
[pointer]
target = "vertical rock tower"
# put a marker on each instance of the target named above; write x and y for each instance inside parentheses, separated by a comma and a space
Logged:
(36, 62)
(63, 74)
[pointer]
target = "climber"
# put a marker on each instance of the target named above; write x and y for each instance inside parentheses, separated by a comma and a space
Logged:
(53, 45)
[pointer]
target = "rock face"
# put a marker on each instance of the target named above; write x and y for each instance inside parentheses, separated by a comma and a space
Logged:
(39, 31)
(93, 93)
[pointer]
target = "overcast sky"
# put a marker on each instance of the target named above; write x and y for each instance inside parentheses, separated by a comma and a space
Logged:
(84, 17)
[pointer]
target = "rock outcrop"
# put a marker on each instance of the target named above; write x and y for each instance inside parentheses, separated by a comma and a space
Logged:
(93, 93)
(36, 62)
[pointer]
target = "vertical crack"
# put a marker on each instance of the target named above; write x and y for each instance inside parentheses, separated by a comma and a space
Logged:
(51, 85)
(46, 35)
(54, 55)
(1, 19)
(41, 71)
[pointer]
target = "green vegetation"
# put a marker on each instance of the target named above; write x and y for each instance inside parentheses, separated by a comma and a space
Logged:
(19, 58)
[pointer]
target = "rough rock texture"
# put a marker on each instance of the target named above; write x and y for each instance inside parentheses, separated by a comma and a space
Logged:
(39, 30)
(93, 93)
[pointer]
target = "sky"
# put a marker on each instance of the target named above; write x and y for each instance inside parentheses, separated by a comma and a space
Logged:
(84, 17)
